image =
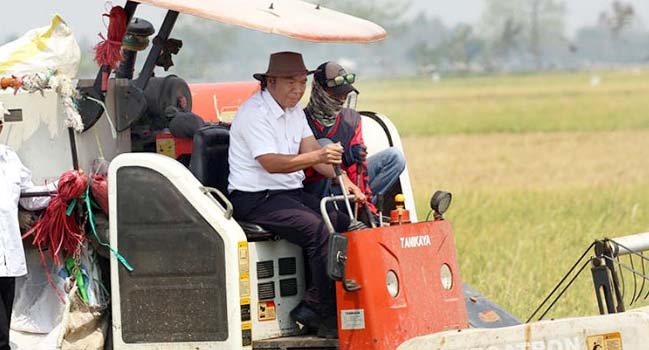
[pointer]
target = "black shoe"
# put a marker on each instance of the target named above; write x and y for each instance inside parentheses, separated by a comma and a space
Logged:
(306, 316)
(328, 328)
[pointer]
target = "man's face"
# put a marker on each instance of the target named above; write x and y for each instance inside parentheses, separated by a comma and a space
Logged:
(287, 91)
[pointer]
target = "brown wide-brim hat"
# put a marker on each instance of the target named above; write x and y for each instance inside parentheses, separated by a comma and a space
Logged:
(284, 64)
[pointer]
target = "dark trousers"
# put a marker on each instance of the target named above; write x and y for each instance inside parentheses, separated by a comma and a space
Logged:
(295, 216)
(7, 292)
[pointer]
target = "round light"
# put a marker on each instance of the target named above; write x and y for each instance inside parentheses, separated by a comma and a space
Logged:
(439, 203)
(446, 277)
(392, 282)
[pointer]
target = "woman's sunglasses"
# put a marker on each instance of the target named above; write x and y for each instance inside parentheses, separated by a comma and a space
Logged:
(341, 80)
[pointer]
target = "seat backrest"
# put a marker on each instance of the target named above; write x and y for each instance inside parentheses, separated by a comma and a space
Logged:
(209, 162)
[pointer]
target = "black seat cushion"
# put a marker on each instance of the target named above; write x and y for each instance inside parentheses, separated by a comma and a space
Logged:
(209, 164)
(256, 233)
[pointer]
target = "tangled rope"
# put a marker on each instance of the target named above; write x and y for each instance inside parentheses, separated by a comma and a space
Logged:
(57, 230)
(39, 82)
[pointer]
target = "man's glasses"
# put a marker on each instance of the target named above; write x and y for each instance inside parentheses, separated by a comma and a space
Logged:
(341, 80)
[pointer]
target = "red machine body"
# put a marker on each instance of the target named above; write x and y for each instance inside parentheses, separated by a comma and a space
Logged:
(219, 101)
(371, 318)
(214, 102)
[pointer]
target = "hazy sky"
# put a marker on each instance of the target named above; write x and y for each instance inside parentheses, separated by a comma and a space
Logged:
(84, 16)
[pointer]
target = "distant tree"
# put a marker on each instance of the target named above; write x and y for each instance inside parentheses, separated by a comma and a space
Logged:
(388, 13)
(206, 42)
(620, 17)
(527, 25)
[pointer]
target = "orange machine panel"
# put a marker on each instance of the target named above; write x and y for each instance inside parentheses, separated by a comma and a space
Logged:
(219, 101)
(371, 318)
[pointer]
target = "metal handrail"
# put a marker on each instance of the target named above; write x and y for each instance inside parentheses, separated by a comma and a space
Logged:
(229, 209)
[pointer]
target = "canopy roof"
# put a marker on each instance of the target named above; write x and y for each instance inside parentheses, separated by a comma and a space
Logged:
(292, 18)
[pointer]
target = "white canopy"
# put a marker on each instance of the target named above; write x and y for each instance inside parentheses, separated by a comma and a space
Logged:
(292, 18)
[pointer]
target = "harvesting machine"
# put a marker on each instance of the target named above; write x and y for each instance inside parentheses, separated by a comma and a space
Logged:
(203, 280)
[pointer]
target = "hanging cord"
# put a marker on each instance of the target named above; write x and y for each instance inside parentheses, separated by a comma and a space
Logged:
(91, 219)
(581, 269)
(110, 121)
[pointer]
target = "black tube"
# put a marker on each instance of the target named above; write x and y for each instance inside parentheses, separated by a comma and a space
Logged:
(37, 194)
(73, 149)
(158, 41)
(127, 66)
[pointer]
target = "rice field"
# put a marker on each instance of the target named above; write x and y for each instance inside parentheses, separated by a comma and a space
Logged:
(539, 166)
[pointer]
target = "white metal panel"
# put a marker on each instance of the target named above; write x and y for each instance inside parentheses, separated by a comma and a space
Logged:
(579, 333)
(42, 141)
(283, 325)
(213, 213)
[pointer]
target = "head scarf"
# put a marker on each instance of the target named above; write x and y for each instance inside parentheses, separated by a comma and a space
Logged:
(323, 107)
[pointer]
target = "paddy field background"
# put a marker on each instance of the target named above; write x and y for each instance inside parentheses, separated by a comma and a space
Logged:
(539, 166)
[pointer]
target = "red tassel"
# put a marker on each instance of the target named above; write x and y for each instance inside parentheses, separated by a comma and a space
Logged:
(55, 230)
(109, 51)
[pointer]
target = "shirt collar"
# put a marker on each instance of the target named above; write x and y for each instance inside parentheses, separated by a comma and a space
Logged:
(275, 109)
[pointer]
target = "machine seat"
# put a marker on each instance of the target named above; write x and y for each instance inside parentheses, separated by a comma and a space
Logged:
(256, 233)
(209, 164)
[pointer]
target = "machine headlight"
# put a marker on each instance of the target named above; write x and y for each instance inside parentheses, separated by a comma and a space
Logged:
(440, 202)
(446, 277)
(392, 282)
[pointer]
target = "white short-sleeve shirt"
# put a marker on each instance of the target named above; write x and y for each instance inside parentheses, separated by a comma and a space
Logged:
(261, 127)
(14, 179)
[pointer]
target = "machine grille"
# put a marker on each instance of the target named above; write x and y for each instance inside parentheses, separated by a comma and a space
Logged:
(266, 291)
(265, 269)
(287, 266)
(288, 287)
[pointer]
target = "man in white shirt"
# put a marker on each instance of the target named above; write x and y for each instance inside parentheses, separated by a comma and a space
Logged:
(270, 146)
(14, 179)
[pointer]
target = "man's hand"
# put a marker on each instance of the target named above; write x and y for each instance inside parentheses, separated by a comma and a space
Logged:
(353, 189)
(331, 154)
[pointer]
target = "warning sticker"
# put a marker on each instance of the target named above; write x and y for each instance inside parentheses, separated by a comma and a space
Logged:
(166, 147)
(243, 257)
(610, 341)
(266, 311)
(352, 319)
(244, 287)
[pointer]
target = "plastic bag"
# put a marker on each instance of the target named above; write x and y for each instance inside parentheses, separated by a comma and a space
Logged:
(40, 50)
(37, 308)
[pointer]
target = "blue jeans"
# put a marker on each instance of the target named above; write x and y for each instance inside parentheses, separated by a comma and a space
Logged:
(383, 169)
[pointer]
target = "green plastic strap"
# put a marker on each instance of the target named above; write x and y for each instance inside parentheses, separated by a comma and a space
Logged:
(69, 264)
(71, 206)
(91, 218)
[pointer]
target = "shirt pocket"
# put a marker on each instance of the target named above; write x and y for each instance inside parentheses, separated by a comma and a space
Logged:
(294, 144)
